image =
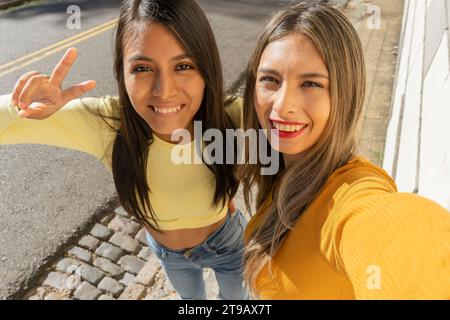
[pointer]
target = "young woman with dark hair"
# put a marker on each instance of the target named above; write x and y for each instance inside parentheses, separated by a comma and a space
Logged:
(169, 75)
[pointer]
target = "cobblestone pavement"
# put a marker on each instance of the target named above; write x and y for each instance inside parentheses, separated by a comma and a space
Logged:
(113, 260)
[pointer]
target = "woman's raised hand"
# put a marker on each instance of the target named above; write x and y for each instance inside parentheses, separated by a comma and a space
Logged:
(39, 96)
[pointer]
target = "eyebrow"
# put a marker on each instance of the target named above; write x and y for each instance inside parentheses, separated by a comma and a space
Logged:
(301, 76)
(145, 58)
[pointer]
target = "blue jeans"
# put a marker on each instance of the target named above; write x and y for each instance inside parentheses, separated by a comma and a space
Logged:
(221, 251)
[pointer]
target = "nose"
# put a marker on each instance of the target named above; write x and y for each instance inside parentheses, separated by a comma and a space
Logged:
(164, 86)
(287, 101)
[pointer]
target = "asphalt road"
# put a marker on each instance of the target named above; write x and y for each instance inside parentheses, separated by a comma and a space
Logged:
(49, 196)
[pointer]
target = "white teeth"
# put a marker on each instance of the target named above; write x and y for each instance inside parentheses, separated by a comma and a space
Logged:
(167, 110)
(288, 128)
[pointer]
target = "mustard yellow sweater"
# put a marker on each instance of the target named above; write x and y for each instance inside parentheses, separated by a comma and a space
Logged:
(362, 239)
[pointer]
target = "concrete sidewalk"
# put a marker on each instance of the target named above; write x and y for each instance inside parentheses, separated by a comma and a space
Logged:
(112, 260)
(380, 48)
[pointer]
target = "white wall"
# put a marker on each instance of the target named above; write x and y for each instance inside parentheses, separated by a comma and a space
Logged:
(417, 151)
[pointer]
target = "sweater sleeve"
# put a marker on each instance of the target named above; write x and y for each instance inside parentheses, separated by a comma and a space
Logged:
(76, 126)
(391, 245)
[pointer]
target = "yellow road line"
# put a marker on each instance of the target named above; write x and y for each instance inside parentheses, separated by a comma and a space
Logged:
(59, 46)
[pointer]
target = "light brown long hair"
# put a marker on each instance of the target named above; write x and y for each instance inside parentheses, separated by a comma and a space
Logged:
(294, 188)
(131, 147)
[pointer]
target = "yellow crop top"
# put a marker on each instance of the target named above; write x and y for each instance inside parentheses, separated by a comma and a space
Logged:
(180, 194)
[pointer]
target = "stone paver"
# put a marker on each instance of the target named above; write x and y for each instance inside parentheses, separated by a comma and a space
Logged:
(101, 232)
(38, 294)
(86, 291)
(121, 211)
(106, 219)
(73, 281)
(127, 279)
(145, 253)
(109, 251)
(111, 268)
(148, 272)
(81, 254)
(131, 264)
(90, 274)
(124, 225)
(142, 236)
(134, 291)
(56, 296)
(57, 280)
(111, 286)
(162, 289)
(89, 242)
(125, 242)
(67, 265)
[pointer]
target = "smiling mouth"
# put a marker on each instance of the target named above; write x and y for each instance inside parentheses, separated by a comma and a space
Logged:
(288, 127)
(167, 110)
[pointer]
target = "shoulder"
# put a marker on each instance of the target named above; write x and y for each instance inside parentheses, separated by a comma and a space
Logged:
(106, 109)
(359, 169)
(359, 177)
(106, 105)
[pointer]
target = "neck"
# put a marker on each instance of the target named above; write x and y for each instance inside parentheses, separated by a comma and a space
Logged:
(181, 138)
(289, 159)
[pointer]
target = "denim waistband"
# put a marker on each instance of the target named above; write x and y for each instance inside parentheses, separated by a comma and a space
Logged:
(188, 251)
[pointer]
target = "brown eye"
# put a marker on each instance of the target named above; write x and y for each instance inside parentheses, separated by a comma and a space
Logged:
(268, 79)
(140, 69)
(312, 84)
(184, 67)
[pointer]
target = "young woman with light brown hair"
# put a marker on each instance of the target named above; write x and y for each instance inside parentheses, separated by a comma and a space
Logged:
(330, 224)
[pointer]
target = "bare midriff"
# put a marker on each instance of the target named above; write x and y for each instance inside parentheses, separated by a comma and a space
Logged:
(185, 238)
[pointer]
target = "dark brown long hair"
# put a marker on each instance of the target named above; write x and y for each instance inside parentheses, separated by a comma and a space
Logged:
(294, 188)
(131, 147)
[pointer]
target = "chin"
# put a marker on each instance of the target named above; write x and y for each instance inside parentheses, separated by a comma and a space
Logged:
(166, 131)
(163, 132)
(289, 152)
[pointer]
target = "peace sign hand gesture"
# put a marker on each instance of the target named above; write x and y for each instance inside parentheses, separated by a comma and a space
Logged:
(39, 96)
